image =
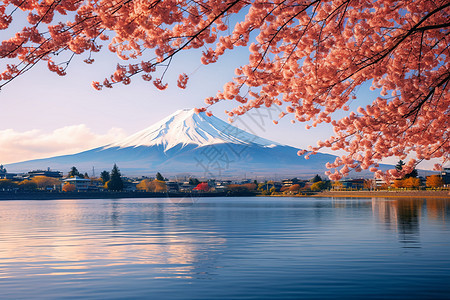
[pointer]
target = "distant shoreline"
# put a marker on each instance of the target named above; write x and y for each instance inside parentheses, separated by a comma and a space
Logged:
(386, 194)
(42, 195)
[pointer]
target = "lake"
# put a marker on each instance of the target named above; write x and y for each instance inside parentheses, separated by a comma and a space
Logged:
(225, 248)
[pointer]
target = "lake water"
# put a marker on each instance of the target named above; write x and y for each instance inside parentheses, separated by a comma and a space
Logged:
(225, 248)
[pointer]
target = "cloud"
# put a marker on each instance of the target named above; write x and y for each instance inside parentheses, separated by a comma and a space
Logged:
(20, 146)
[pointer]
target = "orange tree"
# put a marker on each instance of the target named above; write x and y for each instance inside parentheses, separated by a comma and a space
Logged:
(68, 187)
(294, 188)
(411, 182)
(152, 186)
(434, 181)
(309, 56)
(398, 183)
(43, 181)
(7, 184)
(27, 185)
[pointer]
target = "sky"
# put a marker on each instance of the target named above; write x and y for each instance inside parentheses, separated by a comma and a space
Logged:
(44, 115)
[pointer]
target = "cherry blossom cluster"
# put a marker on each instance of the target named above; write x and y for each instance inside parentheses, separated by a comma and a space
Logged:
(308, 56)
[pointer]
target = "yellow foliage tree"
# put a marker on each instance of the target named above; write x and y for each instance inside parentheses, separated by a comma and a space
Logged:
(68, 187)
(434, 181)
(398, 183)
(318, 186)
(27, 185)
(148, 185)
(411, 182)
(294, 188)
(7, 184)
(337, 185)
(369, 184)
(44, 181)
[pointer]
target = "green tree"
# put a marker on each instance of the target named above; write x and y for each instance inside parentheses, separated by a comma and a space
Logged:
(74, 172)
(316, 178)
(320, 185)
(194, 181)
(399, 165)
(105, 176)
(159, 177)
(413, 174)
(115, 183)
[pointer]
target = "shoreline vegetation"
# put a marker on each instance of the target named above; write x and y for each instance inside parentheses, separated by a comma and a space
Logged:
(445, 194)
(54, 195)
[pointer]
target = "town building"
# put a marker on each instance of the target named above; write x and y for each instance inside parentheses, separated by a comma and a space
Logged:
(5, 175)
(47, 173)
(446, 175)
(81, 184)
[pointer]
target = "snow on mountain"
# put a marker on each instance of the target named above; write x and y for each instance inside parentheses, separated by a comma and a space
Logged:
(189, 143)
(185, 127)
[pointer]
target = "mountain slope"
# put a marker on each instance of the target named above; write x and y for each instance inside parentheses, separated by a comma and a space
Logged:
(185, 127)
(189, 143)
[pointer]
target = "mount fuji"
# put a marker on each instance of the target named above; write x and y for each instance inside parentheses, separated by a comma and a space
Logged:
(189, 143)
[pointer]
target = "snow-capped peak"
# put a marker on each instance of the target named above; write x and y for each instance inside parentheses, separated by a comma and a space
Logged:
(186, 127)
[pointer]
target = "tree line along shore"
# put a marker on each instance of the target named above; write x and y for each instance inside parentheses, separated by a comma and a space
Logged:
(53, 185)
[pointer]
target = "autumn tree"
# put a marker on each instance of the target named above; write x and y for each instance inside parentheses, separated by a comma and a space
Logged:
(337, 185)
(143, 185)
(43, 182)
(309, 57)
(434, 181)
(115, 183)
(238, 188)
(202, 187)
(369, 184)
(411, 183)
(294, 188)
(7, 184)
(68, 187)
(320, 186)
(159, 186)
(148, 185)
(27, 185)
(398, 183)
(284, 188)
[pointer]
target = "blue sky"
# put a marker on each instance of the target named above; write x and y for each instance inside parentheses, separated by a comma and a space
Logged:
(43, 114)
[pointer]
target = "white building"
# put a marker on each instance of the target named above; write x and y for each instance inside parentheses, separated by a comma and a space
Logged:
(81, 184)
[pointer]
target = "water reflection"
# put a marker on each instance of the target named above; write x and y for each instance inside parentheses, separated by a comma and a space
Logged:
(233, 248)
(405, 216)
(72, 237)
(438, 209)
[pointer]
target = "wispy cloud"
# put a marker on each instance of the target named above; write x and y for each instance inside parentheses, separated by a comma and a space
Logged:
(19, 146)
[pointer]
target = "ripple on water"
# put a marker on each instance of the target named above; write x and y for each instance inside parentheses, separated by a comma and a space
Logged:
(225, 248)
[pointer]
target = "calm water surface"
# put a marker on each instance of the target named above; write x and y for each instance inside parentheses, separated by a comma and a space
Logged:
(225, 248)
